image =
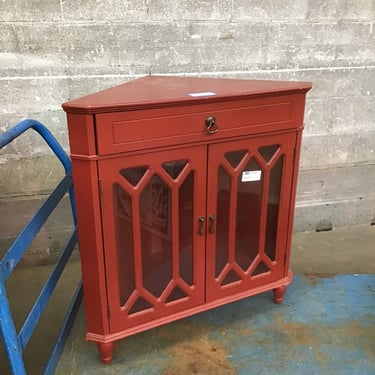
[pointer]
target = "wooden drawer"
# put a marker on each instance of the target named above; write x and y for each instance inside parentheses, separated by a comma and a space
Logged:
(134, 130)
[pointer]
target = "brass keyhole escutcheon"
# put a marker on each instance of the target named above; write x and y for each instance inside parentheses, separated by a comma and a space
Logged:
(211, 125)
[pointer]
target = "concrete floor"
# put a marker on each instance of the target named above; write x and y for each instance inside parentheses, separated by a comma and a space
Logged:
(326, 323)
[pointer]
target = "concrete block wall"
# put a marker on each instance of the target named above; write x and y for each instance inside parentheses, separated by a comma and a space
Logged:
(56, 50)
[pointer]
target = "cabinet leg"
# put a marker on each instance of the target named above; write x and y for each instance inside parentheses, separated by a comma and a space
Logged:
(106, 351)
(278, 294)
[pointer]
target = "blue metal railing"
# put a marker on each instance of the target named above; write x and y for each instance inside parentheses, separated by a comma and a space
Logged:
(14, 342)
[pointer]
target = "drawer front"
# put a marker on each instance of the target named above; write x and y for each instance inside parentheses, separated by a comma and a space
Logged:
(130, 131)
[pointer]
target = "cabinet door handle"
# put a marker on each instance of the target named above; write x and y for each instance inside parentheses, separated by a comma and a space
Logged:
(211, 218)
(201, 225)
(211, 125)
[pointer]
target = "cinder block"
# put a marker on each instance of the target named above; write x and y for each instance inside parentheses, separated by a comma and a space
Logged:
(152, 47)
(30, 11)
(342, 195)
(269, 10)
(335, 82)
(31, 143)
(20, 95)
(8, 38)
(339, 114)
(338, 148)
(145, 11)
(106, 10)
(335, 183)
(85, 85)
(321, 10)
(14, 64)
(317, 115)
(312, 44)
(193, 10)
(224, 47)
(27, 176)
(351, 114)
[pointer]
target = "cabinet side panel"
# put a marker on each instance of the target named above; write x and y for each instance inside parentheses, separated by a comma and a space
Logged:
(293, 191)
(91, 245)
(299, 122)
(81, 134)
(298, 111)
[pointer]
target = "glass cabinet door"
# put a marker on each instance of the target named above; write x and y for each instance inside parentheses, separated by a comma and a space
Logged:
(248, 195)
(153, 253)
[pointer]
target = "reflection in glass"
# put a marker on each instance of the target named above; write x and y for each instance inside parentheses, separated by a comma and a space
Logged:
(124, 241)
(156, 235)
(186, 221)
(174, 168)
(268, 151)
(133, 175)
(139, 305)
(260, 268)
(235, 157)
(273, 208)
(222, 221)
(176, 294)
(231, 278)
(249, 203)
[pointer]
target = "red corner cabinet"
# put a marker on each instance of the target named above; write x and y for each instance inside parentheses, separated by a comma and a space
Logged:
(185, 191)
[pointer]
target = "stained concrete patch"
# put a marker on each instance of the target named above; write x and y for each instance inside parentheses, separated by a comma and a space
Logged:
(199, 356)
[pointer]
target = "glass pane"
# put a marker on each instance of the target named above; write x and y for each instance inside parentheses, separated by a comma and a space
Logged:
(231, 278)
(235, 157)
(124, 240)
(139, 305)
(261, 268)
(268, 151)
(186, 221)
(222, 221)
(249, 203)
(156, 234)
(174, 168)
(176, 294)
(133, 175)
(273, 208)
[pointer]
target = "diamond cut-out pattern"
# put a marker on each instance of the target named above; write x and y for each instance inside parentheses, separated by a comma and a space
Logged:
(231, 278)
(186, 228)
(273, 208)
(222, 221)
(261, 268)
(155, 209)
(133, 175)
(177, 293)
(248, 217)
(235, 157)
(139, 305)
(268, 151)
(174, 168)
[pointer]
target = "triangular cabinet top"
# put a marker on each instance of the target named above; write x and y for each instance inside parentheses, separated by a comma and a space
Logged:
(161, 91)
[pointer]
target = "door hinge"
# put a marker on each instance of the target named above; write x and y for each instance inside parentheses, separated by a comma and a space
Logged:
(294, 154)
(109, 312)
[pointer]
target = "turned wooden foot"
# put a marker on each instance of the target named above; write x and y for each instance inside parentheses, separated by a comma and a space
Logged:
(278, 294)
(106, 351)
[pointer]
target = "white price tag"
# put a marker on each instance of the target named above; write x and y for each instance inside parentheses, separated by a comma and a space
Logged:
(248, 176)
(198, 94)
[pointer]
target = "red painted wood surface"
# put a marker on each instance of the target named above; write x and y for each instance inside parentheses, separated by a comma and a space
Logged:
(174, 220)
(157, 91)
